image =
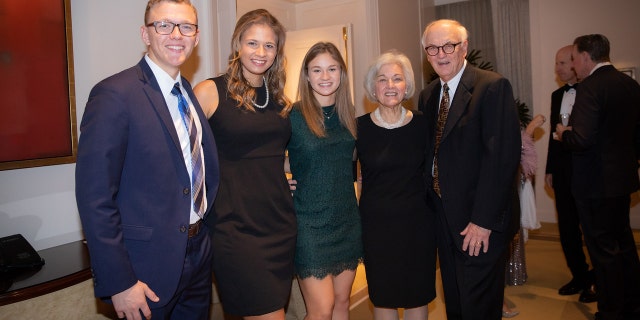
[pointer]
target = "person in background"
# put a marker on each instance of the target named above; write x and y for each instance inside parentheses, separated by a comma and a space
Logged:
(253, 222)
(473, 153)
(146, 174)
(321, 151)
(516, 264)
(603, 134)
(397, 227)
(558, 177)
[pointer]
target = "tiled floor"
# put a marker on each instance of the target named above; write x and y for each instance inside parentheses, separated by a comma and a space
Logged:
(537, 299)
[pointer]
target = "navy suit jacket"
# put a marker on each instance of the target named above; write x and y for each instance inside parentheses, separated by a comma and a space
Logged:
(132, 185)
(604, 138)
(479, 152)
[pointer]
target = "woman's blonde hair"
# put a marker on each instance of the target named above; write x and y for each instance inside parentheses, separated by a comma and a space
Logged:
(309, 105)
(238, 86)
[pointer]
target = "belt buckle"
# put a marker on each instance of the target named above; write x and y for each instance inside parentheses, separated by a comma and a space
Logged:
(194, 229)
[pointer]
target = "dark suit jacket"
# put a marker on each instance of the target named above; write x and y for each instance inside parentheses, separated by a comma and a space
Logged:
(132, 185)
(479, 152)
(558, 157)
(605, 120)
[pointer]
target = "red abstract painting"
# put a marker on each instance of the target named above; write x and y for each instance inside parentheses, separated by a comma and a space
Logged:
(37, 113)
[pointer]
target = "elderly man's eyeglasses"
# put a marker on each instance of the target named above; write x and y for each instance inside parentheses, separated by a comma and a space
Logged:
(166, 27)
(448, 48)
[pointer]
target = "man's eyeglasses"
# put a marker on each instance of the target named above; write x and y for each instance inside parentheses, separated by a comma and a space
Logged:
(166, 27)
(448, 48)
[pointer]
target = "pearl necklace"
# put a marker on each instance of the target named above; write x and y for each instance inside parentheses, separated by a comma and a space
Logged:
(266, 86)
(394, 125)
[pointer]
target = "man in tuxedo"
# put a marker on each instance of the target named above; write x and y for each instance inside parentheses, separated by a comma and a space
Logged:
(473, 160)
(558, 177)
(146, 174)
(603, 135)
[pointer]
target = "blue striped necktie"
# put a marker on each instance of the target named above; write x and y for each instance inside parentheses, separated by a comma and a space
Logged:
(197, 174)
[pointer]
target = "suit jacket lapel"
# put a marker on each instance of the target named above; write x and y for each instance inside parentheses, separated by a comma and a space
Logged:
(460, 100)
(434, 103)
(153, 92)
(556, 103)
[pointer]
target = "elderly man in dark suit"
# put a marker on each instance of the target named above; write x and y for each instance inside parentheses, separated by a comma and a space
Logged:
(603, 135)
(558, 177)
(146, 174)
(475, 152)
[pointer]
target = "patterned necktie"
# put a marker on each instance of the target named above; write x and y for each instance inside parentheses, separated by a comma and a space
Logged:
(197, 174)
(443, 112)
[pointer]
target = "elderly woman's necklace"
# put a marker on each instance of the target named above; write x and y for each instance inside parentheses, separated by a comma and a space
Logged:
(386, 125)
(266, 86)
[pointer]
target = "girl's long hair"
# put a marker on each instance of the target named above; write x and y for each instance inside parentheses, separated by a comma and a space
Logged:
(309, 105)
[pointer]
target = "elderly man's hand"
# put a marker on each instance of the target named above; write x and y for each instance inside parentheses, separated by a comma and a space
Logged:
(475, 239)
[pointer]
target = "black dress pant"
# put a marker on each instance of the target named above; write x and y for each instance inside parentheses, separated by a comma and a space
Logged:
(569, 227)
(473, 286)
(609, 238)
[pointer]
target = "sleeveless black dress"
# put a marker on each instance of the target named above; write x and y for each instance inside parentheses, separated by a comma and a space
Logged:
(398, 232)
(253, 221)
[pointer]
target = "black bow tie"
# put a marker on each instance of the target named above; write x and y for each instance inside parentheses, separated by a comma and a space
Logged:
(566, 87)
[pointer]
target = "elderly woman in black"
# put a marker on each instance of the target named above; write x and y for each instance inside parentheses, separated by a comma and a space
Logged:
(397, 227)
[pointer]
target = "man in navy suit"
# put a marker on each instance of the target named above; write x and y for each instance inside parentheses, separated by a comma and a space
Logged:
(472, 187)
(150, 253)
(603, 135)
(558, 177)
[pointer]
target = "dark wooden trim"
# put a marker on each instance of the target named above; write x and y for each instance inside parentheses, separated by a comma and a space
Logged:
(44, 288)
(65, 265)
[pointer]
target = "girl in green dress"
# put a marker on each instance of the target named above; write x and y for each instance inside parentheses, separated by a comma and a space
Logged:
(321, 150)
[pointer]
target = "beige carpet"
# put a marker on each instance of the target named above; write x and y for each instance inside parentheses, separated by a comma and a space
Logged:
(537, 299)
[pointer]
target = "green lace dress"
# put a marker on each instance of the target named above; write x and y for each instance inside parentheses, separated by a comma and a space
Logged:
(329, 232)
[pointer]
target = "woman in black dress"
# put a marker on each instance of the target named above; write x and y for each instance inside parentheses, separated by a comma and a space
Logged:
(253, 222)
(397, 227)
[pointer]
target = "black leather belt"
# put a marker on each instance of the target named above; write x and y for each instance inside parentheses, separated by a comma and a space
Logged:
(194, 229)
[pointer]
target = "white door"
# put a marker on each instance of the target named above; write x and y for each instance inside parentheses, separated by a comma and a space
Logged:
(298, 43)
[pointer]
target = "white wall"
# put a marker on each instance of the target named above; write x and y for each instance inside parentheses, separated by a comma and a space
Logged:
(284, 11)
(557, 23)
(400, 28)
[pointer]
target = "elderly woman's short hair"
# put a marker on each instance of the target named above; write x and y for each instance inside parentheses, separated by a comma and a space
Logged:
(390, 57)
